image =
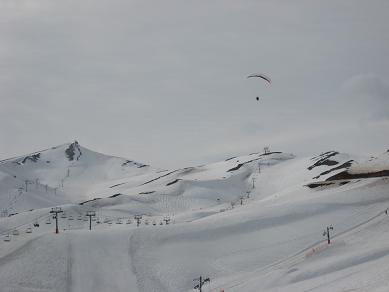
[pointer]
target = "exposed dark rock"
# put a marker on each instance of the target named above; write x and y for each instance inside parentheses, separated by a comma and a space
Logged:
(157, 178)
(344, 165)
(71, 151)
(321, 155)
(32, 158)
(137, 164)
(126, 162)
(344, 182)
(347, 175)
(115, 195)
(95, 199)
(146, 193)
(173, 182)
(117, 185)
(324, 160)
(238, 166)
(230, 158)
(318, 184)
(243, 163)
(269, 153)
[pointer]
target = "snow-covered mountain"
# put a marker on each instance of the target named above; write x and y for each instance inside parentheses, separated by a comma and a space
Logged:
(65, 173)
(250, 223)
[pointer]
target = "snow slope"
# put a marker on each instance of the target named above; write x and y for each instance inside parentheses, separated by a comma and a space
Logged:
(250, 223)
(65, 173)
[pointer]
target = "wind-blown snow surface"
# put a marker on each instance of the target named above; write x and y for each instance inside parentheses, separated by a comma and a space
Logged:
(250, 223)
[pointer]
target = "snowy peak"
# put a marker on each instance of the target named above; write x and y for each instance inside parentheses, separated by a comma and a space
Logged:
(68, 155)
(73, 152)
(77, 174)
(68, 171)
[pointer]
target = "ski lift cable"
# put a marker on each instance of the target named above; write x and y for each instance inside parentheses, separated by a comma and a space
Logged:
(42, 217)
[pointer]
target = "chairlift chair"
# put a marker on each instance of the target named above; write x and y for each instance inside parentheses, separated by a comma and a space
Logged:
(7, 238)
(15, 232)
(29, 230)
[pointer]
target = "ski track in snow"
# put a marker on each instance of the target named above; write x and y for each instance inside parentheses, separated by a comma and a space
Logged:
(272, 242)
(100, 261)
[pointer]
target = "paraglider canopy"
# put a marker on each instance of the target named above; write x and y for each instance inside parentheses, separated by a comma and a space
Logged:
(262, 76)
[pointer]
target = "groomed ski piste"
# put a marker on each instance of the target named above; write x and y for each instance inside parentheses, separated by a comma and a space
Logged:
(248, 223)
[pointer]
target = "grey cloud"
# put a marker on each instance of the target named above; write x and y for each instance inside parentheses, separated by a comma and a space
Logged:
(366, 85)
(165, 82)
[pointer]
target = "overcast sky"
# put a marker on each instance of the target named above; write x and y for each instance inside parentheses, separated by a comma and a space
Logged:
(164, 82)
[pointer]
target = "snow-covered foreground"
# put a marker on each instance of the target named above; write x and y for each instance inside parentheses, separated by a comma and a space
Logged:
(236, 247)
(70, 261)
(250, 223)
